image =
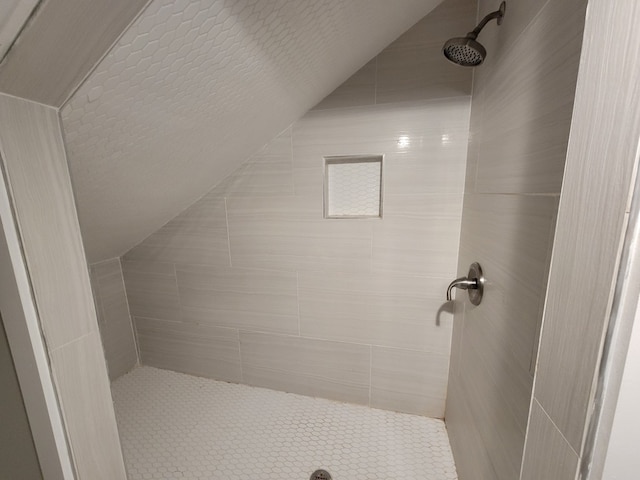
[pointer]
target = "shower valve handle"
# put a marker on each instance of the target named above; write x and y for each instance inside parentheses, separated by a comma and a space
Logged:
(473, 283)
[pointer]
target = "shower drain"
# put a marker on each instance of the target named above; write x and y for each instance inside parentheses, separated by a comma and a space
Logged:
(320, 475)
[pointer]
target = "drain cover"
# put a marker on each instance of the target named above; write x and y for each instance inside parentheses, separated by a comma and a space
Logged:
(320, 475)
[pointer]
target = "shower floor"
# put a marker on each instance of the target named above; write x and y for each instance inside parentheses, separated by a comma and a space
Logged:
(176, 426)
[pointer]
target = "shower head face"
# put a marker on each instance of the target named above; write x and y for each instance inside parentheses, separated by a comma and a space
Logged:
(464, 51)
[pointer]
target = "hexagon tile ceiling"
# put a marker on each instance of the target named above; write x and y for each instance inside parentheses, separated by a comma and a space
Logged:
(192, 89)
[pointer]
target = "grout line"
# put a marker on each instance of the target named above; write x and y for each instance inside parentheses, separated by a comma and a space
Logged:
(556, 427)
(240, 356)
(134, 330)
(375, 83)
(370, 370)
(298, 300)
(226, 217)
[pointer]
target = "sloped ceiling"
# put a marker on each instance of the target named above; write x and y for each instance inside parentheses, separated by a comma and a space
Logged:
(192, 89)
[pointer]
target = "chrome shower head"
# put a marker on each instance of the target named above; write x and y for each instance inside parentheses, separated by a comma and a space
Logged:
(466, 51)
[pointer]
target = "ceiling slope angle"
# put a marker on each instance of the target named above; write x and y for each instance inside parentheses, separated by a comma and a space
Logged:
(192, 89)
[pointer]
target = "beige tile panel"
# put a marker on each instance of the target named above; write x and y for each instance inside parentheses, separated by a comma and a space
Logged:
(202, 350)
(420, 121)
(469, 449)
(527, 105)
(511, 237)
(418, 73)
(280, 145)
(409, 381)
(289, 233)
(499, 40)
(423, 206)
(116, 328)
(51, 59)
(269, 172)
(109, 292)
(37, 172)
(601, 161)
(449, 19)
(81, 380)
(198, 235)
(424, 144)
(493, 397)
(379, 309)
(548, 455)
(413, 246)
(357, 90)
(262, 175)
(259, 300)
(152, 290)
(338, 371)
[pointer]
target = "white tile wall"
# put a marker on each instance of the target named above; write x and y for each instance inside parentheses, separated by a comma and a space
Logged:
(351, 310)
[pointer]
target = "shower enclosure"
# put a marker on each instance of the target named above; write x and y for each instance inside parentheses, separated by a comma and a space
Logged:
(519, 131)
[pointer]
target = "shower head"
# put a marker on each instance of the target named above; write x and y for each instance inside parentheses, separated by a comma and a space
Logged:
(466, 51)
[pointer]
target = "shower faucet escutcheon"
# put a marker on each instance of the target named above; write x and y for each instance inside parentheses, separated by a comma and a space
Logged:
(473, 283)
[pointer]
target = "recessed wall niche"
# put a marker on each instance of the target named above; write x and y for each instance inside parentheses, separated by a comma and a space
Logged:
(353, 186)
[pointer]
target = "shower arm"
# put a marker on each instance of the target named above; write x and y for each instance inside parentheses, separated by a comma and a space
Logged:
(498, 14)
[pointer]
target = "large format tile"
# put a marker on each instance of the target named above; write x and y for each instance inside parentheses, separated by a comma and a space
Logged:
(289, 233)
(36, 171)
(423, 144)
(116, 329)
(412, 246)
(418, 73)
(318, 368)
(259, 300)
(409, 381)
(81, 380)
(197, 235)
(203, 350)
(379, 309)
(413, 67)
(473, 461)
(268, 172)
(152, 290)
(511, 236)
(357, 90)
(527, 105)
(545, 442)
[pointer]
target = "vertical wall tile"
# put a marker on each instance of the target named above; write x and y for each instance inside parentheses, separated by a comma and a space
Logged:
(115, 324)
(289, 233)
(379, 309)
(258, 300)
(520, 119)
(152, 290)
(525, 100)
(409, 381)
(548, 453)
(87, 408)
(197, 235)
(338, 371)
(357, 90)
(203, 350)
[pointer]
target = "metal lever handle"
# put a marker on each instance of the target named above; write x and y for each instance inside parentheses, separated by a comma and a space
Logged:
(462, 283)
(473, 282)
